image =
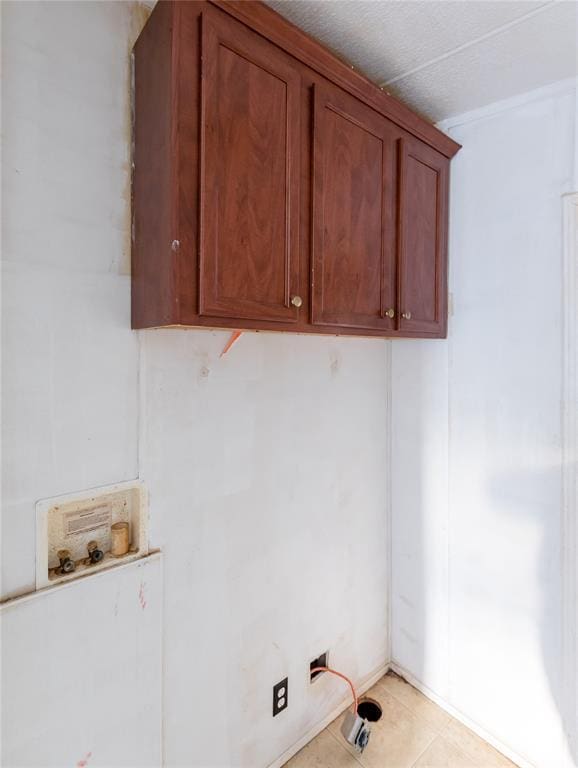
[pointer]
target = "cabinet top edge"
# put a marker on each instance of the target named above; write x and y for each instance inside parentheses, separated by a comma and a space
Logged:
(307, 49)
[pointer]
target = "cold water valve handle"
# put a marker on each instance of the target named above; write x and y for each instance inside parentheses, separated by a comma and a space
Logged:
(67, 564)
(95, 554)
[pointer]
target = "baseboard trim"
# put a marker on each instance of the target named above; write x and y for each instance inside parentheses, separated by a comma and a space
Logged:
(368, 683)
(455, 713)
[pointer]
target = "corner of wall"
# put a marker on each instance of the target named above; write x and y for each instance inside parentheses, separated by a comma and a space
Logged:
(388, 481)
(569, 462)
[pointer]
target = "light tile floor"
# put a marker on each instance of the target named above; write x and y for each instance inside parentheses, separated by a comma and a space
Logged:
(413, 733)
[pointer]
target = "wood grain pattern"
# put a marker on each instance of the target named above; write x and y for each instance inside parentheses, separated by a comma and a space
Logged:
(422, 272)
(186, 73)
(249, 261)
(311, 52)
(152, 261)
(353, 273)
(228, 248)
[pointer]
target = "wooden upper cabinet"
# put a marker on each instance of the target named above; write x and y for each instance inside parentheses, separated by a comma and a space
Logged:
(354, 194)
(423, 214)
(249, 196)
(275, 188)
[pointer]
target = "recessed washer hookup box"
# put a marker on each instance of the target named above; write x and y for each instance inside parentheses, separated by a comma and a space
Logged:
(81, 533)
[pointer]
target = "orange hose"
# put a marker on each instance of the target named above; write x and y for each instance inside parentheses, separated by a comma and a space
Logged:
(343, 677)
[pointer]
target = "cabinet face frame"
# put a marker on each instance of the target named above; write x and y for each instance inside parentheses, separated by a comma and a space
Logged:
(222, 32)
(412, 271)
(330, 101)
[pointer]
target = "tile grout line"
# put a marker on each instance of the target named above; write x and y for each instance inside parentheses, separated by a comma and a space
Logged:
(458, 717)
(364, 687)
(344, 748)
(442, 732)
(402, 704)
(393, 696)
(422, 753)
(437, 735)
(415, 714)
(419, 718)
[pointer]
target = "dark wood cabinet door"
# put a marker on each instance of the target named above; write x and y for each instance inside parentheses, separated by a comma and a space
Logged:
(354, 199)
(423, 220)
(249, 203)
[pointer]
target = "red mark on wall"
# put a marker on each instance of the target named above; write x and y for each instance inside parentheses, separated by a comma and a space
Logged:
(84, 762)
(141, 595)
(232, 339)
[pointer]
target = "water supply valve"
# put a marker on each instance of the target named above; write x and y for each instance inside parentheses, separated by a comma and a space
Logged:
(95, 554)
(82, 533)
(67, 564)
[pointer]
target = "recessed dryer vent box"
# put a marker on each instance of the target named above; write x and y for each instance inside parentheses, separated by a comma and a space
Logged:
(69, 527)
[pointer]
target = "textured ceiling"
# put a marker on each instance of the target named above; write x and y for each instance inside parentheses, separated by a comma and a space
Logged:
(444, 57)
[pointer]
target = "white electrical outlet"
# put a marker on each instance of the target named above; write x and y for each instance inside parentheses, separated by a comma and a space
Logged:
(76, 522)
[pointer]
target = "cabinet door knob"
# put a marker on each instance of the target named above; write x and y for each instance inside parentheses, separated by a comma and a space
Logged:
(297, 301)
(390, 312)
(406, 315)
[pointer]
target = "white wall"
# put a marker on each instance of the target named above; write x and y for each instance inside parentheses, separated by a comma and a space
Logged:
(81, 672)
(266, 468)
(477, 601)
(266, 475)
(70, 407)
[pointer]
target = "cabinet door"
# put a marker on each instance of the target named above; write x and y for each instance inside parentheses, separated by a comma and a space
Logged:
(422, 239)
(354, 198)
(249, 238)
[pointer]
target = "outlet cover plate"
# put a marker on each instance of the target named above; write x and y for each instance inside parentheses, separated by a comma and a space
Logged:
(280, 696)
